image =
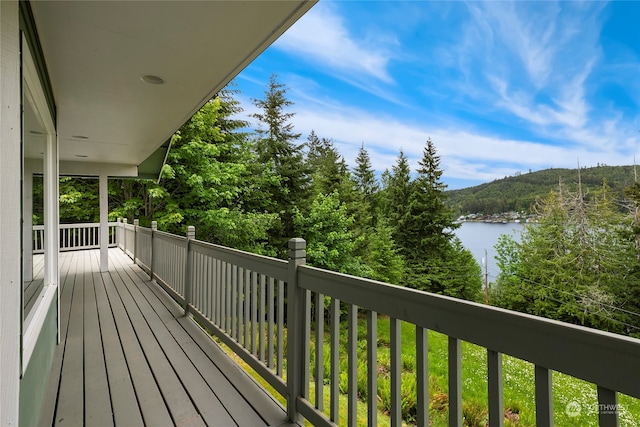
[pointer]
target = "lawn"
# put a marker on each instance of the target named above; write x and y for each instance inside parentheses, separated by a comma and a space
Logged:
(518, 380)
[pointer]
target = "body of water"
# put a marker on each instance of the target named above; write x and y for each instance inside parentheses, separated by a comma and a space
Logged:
(481, 236)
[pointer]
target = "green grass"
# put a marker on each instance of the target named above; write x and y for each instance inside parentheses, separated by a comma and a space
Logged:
(518, 382)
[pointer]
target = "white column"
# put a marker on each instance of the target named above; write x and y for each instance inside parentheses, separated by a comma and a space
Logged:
(10, 216)
(27, 224)
(51, 181)
(104, 224)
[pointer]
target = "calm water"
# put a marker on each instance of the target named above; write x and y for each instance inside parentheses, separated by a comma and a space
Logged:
(481, 236)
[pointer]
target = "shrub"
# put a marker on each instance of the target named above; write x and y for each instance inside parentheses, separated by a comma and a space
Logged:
(474, 414)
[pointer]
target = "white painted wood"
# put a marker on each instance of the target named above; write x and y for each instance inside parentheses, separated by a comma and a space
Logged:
(27, 232)
(87, 169)
(104, 224)
(10, 225)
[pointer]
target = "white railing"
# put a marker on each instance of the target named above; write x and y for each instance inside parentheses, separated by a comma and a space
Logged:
(243, 299)
(75, 237)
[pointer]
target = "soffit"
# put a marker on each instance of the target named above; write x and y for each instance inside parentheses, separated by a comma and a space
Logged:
(96, 52)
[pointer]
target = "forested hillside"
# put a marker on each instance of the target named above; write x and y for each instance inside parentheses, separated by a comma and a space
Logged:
(520, 192)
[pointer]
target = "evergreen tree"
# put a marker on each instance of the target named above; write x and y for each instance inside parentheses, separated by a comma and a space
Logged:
(208, 181)
(365, 177)
(367, 189)
(396, 190)
(326, 166)
(435, 261)
(277, 150)
(578, 264)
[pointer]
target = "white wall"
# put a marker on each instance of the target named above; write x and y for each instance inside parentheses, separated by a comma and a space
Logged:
(10, 217)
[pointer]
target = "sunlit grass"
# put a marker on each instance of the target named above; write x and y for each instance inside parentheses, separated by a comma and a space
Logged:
(518, 384)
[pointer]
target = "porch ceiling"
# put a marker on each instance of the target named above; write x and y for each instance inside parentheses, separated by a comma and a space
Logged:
(96, 53)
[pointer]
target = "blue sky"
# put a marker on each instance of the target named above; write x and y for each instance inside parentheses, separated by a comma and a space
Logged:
(499, 87)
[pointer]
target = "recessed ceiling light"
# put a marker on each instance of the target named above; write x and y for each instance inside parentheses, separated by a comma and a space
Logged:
(151, 79)
(36, 132)
(81, 155)
(79, 137)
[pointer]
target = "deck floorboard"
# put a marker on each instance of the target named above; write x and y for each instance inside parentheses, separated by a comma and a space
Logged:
(129, 357)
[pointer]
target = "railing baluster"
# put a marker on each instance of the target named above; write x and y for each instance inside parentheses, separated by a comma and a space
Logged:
(216, 292)
(372, 368)
(335, 359)
(233, 302)
(206, 283)
(254, 313)
(319, 378)
(270, 314)
(306, 332)
(544, 397)
(455, 382)
(607, 408)
(241, 298)
(422, 376)
(247, 309)
(261, 308)
(496, 403)
(229, 300)
(352, 364)
(280, 352)
(223, 295)
(395, 374)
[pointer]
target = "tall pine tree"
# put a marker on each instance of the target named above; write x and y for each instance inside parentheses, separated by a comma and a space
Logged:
(396, 190)
(277, 150)
(436, 261)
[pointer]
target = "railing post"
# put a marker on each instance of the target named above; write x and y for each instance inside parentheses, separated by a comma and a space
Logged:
(295, 328)
(119, 233)
(124, 235)
(191, 234)
(154, 228)
(136, 222)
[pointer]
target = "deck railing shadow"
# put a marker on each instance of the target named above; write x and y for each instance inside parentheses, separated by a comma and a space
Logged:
(261, 308)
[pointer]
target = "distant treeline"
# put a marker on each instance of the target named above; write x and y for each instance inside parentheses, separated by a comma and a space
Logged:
(520, 192)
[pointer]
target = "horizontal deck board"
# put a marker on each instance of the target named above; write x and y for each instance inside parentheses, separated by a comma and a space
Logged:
(128, 357)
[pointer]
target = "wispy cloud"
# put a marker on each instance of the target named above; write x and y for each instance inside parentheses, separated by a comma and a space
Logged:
(500, 87)
(323, 38)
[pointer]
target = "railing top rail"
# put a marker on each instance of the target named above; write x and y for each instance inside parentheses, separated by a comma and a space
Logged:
(271, 267)
(168, 236)
(77, 225)
(562, 347)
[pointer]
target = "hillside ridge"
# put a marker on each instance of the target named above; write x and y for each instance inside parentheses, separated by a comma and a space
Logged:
(520, 192)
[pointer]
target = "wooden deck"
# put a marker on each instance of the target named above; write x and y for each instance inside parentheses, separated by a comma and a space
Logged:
(128, 357)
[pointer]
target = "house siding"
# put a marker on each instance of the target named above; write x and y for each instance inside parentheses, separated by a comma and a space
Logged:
(10, 213)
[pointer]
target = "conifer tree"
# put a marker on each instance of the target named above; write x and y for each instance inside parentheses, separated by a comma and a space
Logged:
(326, 166)
(278, 151)
(395, 197)
(436, 261)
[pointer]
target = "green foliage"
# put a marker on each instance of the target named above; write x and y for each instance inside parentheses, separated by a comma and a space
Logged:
(381, 255)
(435, 261)
(79, 200)
(579, 264)
(520, 192)
(282, 157)
(327, 230)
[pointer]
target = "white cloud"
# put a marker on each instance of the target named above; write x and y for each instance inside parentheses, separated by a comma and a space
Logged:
(322, 38)
(466, 154)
